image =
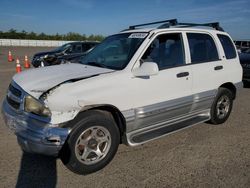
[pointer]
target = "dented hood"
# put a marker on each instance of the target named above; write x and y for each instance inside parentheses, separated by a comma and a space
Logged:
(37, 81)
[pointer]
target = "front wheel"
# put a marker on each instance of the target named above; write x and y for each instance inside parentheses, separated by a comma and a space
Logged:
(92, 143)
(222, 106)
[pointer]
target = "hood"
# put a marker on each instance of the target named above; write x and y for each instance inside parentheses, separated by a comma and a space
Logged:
(37, 81)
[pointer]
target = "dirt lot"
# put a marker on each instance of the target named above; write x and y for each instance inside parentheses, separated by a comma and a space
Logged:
(201, 156)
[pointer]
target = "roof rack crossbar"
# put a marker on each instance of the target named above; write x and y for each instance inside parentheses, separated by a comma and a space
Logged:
(214, 25)
(170, 21)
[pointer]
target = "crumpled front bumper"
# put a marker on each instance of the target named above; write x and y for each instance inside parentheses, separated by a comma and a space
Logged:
(34, 136)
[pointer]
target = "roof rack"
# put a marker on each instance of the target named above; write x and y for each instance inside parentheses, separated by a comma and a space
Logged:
(174, 22)
(214, 25)
(171, 22)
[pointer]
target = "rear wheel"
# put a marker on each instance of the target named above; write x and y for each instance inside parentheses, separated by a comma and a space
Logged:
(92, 143)
(222, 106)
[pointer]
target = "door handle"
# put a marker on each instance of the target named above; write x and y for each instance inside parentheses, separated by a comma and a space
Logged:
(218, 67)
(182, 74)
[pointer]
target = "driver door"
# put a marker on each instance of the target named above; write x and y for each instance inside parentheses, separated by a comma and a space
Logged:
(167, 95)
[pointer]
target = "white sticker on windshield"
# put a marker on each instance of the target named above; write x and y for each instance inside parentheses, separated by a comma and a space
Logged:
(138, 35)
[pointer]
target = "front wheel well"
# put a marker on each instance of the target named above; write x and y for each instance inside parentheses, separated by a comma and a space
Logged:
(115, 112)
(231, 87)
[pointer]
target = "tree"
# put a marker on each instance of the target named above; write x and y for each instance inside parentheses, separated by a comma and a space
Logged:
(71, 36)
(32, 35)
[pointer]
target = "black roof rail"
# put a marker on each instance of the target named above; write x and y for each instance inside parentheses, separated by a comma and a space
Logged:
(170, 22)
(174, 22)
(214, 25)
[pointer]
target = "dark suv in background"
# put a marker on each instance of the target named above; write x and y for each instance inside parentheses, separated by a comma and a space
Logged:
(64, 53)
(245, 63)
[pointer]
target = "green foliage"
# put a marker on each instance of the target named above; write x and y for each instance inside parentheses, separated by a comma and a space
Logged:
(71, 36)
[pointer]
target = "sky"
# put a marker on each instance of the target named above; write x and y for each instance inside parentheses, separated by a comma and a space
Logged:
(107, 17)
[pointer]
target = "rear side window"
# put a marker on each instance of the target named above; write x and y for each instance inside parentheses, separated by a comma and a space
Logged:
(86, 47)
(77, 48)
(228, 46)
(202, 48)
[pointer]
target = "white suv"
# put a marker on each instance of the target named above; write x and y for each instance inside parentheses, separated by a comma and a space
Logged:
(136, 86)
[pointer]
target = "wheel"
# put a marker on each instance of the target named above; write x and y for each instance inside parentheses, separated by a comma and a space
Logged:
(222, 106)
(92, 142)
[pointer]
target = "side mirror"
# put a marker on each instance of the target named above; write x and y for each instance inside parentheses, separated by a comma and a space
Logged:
(146, 69)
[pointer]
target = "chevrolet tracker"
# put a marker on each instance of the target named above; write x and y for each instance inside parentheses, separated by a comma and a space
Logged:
(135, 86)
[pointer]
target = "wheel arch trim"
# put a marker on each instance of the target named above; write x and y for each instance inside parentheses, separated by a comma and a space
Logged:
(234, 87)
(115, 112)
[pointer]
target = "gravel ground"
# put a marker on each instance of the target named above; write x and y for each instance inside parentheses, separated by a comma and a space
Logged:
(201, 156)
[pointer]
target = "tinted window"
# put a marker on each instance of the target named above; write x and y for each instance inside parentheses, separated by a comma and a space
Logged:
(77, 48)
(245, 44)
(166, 50)
(202, 48)
(228, 46)
(87, 46)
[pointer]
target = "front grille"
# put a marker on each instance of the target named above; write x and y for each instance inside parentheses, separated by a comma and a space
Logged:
(13, 103)
(14, 96)
(15, 91)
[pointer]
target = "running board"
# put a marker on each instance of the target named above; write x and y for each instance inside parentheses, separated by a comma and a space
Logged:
(142, 137)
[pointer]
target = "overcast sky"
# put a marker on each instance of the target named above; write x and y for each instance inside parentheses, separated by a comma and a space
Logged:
(110, 16)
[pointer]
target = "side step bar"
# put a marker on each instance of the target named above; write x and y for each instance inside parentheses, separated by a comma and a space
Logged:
(142, 137)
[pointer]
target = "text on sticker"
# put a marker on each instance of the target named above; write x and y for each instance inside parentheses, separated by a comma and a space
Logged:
(138, 35)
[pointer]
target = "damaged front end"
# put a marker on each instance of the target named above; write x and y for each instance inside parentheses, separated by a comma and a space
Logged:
(37, 114)
(31, 122)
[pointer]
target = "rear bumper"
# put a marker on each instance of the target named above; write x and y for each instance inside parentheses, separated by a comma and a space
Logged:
(34, 136)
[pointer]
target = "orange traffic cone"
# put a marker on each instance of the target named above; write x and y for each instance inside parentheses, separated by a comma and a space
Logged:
(18, 66)
(26, 62)
(10, 58)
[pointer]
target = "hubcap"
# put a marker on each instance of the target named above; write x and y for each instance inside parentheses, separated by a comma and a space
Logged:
(93, 145)
(223, 106)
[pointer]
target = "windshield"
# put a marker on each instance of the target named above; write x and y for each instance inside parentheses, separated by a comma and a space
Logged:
(63, 47)
(115, 51)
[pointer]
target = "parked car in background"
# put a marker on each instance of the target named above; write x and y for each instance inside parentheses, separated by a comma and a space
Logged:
(74, 58)
(245, 63)
(242, 45)
(62, 54)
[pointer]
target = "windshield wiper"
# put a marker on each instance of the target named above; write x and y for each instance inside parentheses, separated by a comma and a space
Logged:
(97, 64)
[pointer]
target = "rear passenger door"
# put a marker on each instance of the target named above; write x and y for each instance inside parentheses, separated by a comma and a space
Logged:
(232, 65)
(207, 68)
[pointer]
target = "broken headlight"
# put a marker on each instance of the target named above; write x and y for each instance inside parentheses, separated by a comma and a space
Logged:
(36, 107)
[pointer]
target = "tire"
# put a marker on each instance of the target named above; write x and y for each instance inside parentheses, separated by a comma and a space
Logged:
(92, 143)
(222, 106)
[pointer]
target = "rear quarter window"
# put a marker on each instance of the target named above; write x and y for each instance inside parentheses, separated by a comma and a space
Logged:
(228, 46)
